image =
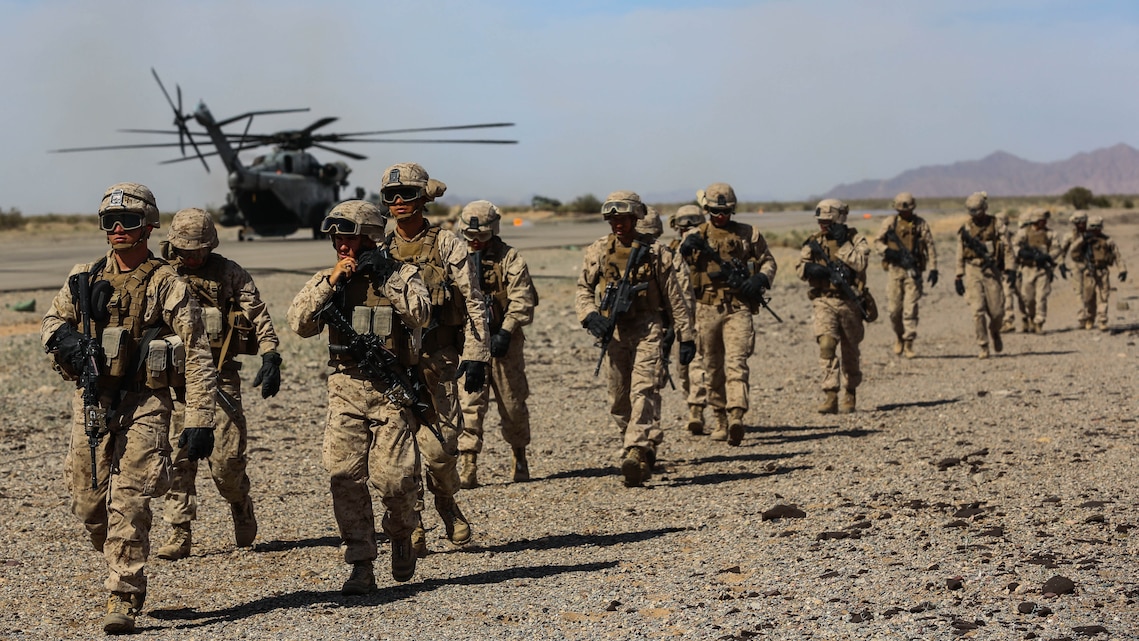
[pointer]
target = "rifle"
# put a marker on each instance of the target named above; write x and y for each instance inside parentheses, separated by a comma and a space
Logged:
(618, 298)
(734, 270)
(94, 421)
(488, 299)
(837, 274)
(666, 358)
(907, 260)
(1089, 263)
(978, 248)
(1037, 256)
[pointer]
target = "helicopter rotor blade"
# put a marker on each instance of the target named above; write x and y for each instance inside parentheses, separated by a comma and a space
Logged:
(179, 121)
(162, 131)
(421, 129)
(448, 140)
(349, 154)
(197, 151)
(111, 147)
(319, 123)
(233, 119)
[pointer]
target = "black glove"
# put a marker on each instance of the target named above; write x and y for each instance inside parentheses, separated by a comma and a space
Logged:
(475, 371)
(198, 441)
(667, 341)
(690, 245)
(932, 277)
(499, 343)
(70, 347)
(754, 287)
(815, 271)
(1122, 276)
(1064, 271)
(687, 352)
(838, 232)
(269, 376)
(959, 287)
(597, 324)
(379, 262)
(1010, 275)
(893, 256)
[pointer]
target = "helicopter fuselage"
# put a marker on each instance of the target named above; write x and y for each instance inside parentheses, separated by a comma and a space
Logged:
(284, 191)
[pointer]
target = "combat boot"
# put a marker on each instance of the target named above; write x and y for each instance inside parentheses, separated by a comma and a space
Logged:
(898, 346)
(830, 402)
(99, 536)
(720, 432)
(1008, 327)
(521, 466)
(984, 353)
(362, 580)
(457, 526)
(848, 402)
(419, 540)
(403, 559)
(122, 608)
(244, 523)
(1088, 324)
(1038, 327)
(696, 420)
(908, 349)
(177, 546)
(468, 470)
(736, 426)
(633, 467)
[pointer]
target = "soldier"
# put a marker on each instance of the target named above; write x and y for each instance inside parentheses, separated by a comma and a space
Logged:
(458, 326)
(838, 310)
(368, 439)
(1094, 255)
(1079, 222)
(632, 339)
(1014, 306)
(510, 298)
(981, 253)
(237, 322)
(1036, 250)
(691, 376)
(906, 246)
(141, 315)
(725, 304)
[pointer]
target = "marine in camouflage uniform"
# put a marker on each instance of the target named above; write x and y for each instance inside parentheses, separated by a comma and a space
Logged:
(910, 232)
(651, 225)
(145, 322)
(237, 322)
(978, 276)
(1014, 306)
(724, 308)
(1079, 222)
(634, 349)
(510, 298)
(838, 322)
(1036, 250)
(369, 438)
(458, 326)
(692, 377)
(1095, 254)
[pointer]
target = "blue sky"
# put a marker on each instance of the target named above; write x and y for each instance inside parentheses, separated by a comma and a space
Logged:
(782, 99)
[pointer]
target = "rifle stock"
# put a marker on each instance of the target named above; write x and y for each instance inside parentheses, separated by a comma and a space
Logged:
(618, 299)
(834, 272)
(94, 421)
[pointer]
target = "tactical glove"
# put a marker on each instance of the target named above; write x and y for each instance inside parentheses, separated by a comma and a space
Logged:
(198, 441)
(815, 271)
(893, 256)
(754, 287)
(959, 287)
(932, 277)
(838, 232)
(1064, 272)
(499, 343)
(667, 341)
(1122, 276)
(687, 352)
(475, 372)
(269, 376)
(70, 347)
(690, 245)
(597, 324)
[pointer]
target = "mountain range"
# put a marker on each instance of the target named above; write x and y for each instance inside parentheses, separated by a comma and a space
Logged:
(1113, 170)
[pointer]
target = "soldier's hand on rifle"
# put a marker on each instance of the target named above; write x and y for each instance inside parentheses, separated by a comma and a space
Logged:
(1122, 276)
(959, 287)
(475, 372)
(754, 287)
(691, 244)
(500, 343)
(71, 347)
(893, 256)
(198, 441)
(597, 324)
(815, 271)
(380, 263)
(687, 352)
(932, 277)
(838, 232)
(1064, 271)
(269, 376)
(668, 339)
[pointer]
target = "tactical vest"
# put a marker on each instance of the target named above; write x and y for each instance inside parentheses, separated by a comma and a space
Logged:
(987, 235)
(220, 316)
(823, 286)
(909, 233)
(121, 333)
(1037, 238)
(370, 312)
(1101, 253)
(493, 281)
(731, 241)
(448, 306)
(615, 260)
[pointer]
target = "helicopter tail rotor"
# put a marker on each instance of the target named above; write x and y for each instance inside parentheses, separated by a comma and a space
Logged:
(180, 119)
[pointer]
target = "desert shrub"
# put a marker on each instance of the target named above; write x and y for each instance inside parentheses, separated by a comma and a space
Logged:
(1128, 204)
(13, 219)
(1078, 197)
(587, 204)
(544, 203)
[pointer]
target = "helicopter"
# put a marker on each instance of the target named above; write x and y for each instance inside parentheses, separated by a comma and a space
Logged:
(287, 188)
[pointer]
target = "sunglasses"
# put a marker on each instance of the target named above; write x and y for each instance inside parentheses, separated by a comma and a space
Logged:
(127, 219)
(406, 194)
(342, 226)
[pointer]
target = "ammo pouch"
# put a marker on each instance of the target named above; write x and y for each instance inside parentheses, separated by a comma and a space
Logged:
(118, 345)
(373, 320)
(244, 337)
(166, 363)
(215, 329)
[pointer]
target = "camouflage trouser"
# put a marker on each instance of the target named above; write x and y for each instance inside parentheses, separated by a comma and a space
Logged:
(368, 441)
(1035, 286)
(693, 379)
(1013, 305)
(227, 463)
(132, 466)
(842, 322)
(726, 338)
(985, 298)
(902, 296)
(439, 369)
(1095, 289)
(634, 368)
(507, 377)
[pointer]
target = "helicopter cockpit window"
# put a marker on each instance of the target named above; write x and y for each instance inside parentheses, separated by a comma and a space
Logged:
(258, 160)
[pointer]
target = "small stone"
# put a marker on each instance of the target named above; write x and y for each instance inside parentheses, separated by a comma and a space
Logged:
(1089, 630)
(956, 583)
(946, 463)
(861, 617)
(1058, 585)
(783, 512)
(613, 605)
(1026, 607)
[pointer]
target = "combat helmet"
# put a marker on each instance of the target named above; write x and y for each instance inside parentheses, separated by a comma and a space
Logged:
(409, 181)
(623, 203)
(832, 209)
(192, 229)
(354, 218)
(477, 218)
(132, 198)
(977, 202)
(1080, 218)
(1037, 214)
(718, 196)
(686, 216)
(905, 202)
(1095, 222)
(651, 224)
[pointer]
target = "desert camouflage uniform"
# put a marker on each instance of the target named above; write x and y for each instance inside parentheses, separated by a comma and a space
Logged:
(1096, 282)
(983, 283)
(368, 439)
(133, 460)
(1035, 282)
(1013, 304)
(634, 353)
(692, 377)
(506, 279)
(903, 291)
(1079, 226)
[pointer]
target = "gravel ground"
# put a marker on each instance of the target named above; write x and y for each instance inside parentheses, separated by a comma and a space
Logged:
(945, 507)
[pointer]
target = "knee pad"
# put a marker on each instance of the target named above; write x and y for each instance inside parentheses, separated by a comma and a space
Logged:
(827, 346)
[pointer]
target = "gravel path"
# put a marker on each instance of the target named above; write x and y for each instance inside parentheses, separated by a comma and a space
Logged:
(945, 507)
